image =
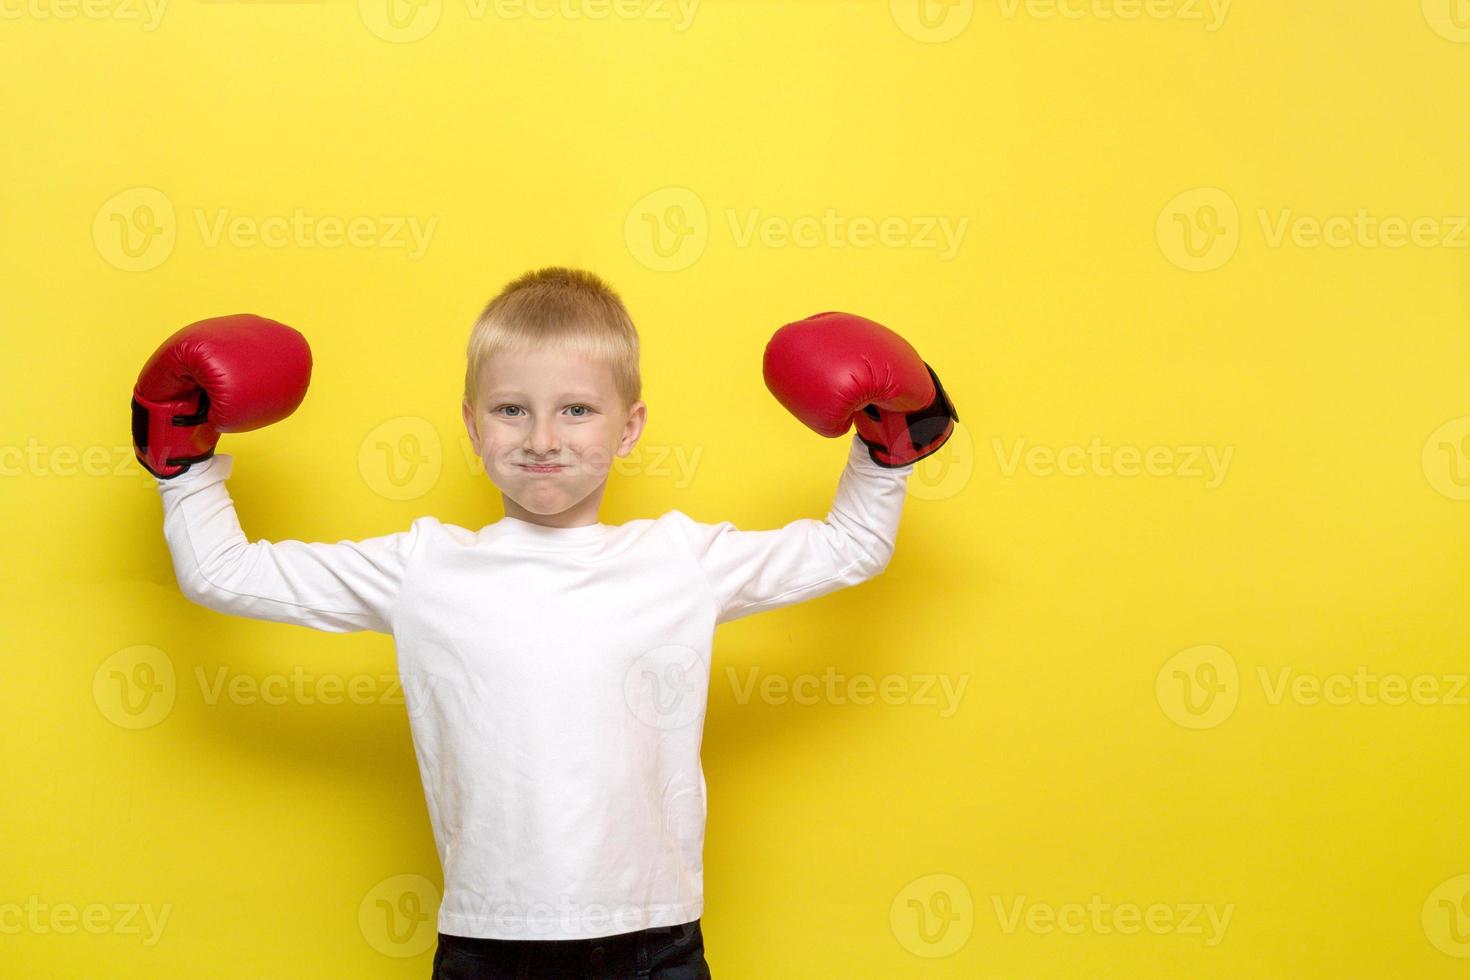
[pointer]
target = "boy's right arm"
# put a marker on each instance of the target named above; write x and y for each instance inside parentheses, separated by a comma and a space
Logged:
(342, 587)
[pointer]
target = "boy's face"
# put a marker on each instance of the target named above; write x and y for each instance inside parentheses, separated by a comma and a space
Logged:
(550, 407)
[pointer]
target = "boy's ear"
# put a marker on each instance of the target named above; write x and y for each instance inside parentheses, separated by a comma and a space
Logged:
(468, 413)
(633, 429)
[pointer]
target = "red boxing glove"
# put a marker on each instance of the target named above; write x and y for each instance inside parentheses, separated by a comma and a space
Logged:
(834, 370)
(226, 374)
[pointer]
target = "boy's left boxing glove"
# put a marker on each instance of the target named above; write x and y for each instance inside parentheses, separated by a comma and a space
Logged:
(225, 374)
(834, 370)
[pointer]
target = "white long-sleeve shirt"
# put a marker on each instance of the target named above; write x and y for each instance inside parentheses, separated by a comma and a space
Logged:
(555, 678)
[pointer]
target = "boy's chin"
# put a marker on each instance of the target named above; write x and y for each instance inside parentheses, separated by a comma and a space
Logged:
(546, 504)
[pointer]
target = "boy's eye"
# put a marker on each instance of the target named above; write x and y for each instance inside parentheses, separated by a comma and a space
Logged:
(585, 412)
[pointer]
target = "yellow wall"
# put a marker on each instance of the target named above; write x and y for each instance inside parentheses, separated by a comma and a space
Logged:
(1220, 700)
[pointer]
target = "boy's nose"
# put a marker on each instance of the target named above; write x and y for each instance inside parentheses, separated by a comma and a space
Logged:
(543, 439)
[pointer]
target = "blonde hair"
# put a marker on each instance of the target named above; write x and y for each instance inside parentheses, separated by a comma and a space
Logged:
(571, 310)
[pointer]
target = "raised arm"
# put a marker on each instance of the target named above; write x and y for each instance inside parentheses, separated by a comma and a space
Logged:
(232, 374)
(350, 585)
(752, 571)
(835, 372)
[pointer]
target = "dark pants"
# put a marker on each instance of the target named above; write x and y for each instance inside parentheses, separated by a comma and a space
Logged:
(660, 953)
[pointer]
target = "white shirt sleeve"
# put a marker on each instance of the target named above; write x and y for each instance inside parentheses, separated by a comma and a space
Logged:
(342, 587)
(752, 571)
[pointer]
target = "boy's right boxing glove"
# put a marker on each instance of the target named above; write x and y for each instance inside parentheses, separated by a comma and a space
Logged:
(837, 371)
(225, 374)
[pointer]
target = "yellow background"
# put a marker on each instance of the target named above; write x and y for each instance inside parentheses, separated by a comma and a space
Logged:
(1086, 612)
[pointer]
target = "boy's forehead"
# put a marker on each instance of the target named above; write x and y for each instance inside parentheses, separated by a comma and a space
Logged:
(541, 371)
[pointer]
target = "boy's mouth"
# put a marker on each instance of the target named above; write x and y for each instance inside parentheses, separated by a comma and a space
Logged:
(534, 468)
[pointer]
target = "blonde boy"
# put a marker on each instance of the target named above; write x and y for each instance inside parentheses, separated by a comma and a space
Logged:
(555, 668)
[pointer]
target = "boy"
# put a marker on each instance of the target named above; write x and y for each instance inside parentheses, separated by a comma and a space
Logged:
(555, 669)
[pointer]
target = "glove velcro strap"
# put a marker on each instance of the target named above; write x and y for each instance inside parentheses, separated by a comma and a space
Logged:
(914, 435)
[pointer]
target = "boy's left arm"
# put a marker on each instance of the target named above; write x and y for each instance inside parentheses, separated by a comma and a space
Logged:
(833, 371)
(752, 571)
